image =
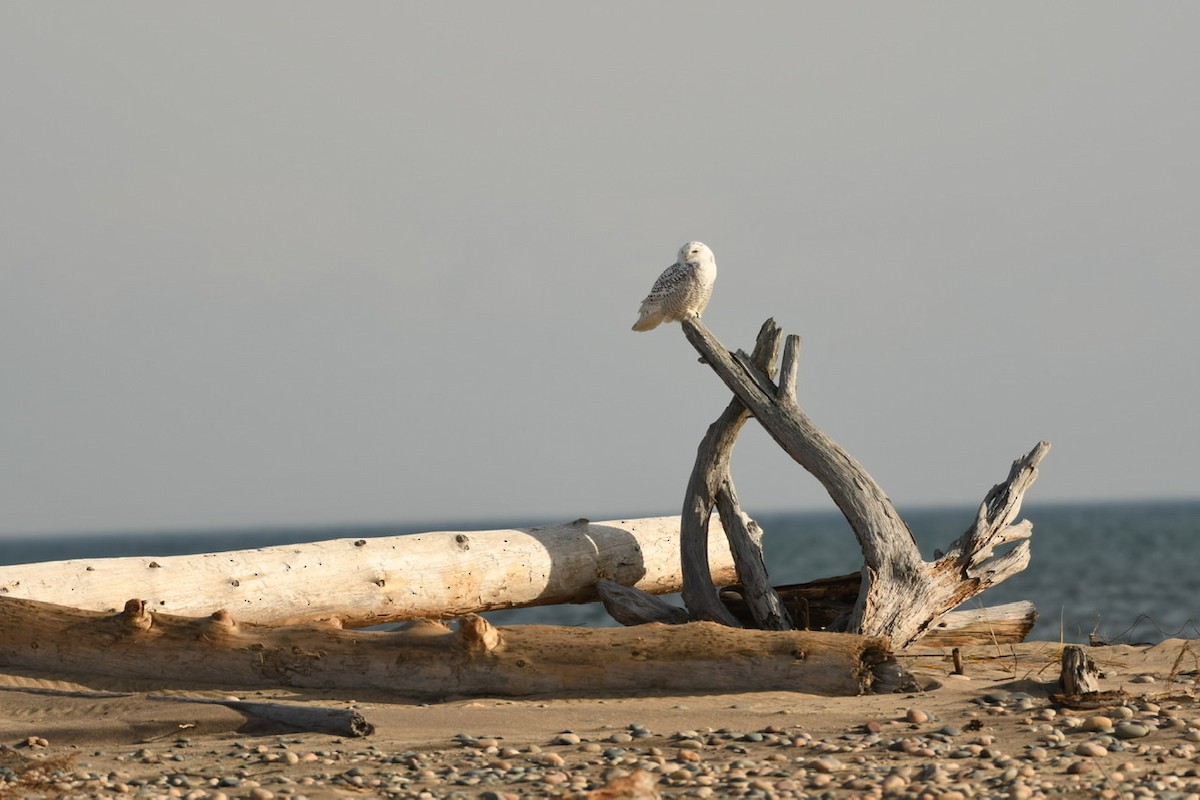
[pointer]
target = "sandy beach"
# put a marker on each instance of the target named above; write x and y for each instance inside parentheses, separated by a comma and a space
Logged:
(992, 732)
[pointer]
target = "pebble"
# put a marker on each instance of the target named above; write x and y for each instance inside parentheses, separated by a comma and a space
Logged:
(1130, 730)
(1039, 751)
(826, 765)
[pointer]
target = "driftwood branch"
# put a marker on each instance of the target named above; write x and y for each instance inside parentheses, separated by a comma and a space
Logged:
(334, 721)
(362, 582)
(711, 483)
(430, 659)
(901, 595)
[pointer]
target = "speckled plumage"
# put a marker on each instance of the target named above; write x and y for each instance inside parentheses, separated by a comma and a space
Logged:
(682, 291)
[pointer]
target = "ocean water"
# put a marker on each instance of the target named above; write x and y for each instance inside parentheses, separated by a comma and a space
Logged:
(1126, 572)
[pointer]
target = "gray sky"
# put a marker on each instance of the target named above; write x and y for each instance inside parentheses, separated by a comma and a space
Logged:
(298, 263)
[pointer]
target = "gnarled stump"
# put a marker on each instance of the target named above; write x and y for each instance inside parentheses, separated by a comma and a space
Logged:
(901, 595)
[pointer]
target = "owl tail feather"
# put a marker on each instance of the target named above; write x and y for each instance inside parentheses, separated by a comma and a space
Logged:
(648, 321)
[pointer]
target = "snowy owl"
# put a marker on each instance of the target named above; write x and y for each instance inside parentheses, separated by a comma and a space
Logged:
(682, 291)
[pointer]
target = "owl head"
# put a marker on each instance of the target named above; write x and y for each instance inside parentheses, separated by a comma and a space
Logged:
(694, 252)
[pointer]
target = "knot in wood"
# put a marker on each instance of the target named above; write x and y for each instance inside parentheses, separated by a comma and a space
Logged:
(136, 616)
(463, 541)
(222, 618)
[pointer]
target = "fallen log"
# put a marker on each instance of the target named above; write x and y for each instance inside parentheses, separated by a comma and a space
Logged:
(822, 604)
(362, 582)
(430, 659)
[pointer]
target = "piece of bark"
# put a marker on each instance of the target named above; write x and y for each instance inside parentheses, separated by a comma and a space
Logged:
(361, 582)
(334, 721)
(630, 606)
(901, 594)
(1009, 623)
(431, 659)
(1080, 675)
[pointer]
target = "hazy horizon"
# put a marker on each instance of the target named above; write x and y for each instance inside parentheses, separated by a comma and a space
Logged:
(297, 265)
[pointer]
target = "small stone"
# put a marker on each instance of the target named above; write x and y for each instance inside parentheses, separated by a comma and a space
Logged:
(1122, 712)
(874, 726)
(1096, 723)
(893, 783)
(826, 765)
(916, 716)
(1091, 750)
(1078, 768)
(259, 793)
(1130, 730)
(566, 738)
(1142, 679)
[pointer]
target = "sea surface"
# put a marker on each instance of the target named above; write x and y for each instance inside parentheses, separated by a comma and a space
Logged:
(1125, 572)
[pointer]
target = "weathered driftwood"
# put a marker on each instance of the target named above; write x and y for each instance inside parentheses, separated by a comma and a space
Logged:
(362, 582)
(819, 604)
(711, 484)
(1080, 675)
(902, 595)
(334, 721)
(318, 719)
(1009, 623)
(430, 659)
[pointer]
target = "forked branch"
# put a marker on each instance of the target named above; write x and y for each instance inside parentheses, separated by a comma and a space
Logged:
(901, 595)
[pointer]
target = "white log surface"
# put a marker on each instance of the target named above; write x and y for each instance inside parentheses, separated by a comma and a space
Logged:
(361, 582)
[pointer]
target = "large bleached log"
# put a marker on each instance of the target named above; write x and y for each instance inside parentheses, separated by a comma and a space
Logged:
(430, 659)
(361, 582)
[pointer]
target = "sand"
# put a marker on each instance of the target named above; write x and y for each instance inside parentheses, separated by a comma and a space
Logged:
(993, 732)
